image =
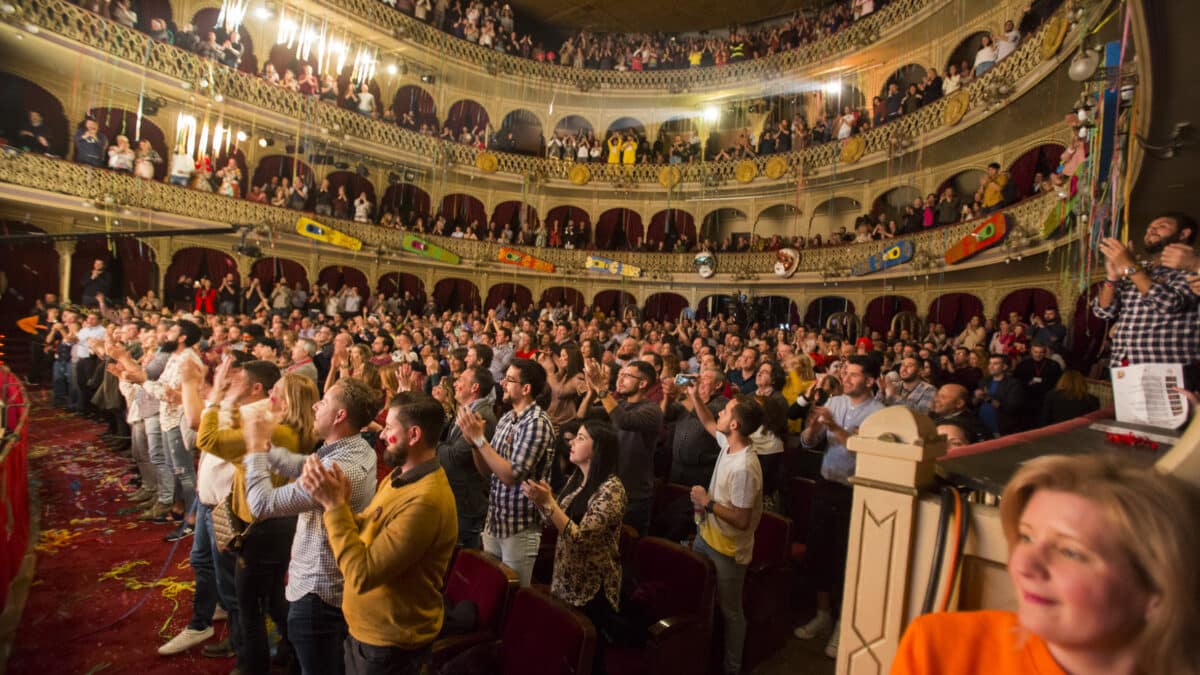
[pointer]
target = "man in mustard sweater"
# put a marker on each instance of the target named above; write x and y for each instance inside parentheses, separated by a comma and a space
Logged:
(394, 555)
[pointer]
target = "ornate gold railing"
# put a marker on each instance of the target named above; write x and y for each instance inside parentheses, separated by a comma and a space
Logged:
(1013, 73)
(858, 35)
(103, 186)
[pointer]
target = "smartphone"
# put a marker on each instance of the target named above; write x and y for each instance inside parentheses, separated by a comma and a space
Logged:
(684, 379)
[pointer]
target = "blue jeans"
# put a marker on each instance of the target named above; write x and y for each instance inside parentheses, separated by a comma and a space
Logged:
(158, 457)
(317, 631)
(261, 567)
(469, 529)
(731, 577)
(62, 383)
(179, 180)
(214, 578)
(74, 396)
(183, 464)
(518, 551)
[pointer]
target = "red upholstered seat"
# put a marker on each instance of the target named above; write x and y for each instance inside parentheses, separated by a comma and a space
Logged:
(485, 581)
(767, 593)
(799, 508)
(544, 636)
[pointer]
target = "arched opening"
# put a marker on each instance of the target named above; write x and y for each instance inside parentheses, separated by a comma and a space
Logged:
(516, 216)
(569, 297)
(664, 306)
(406, 199)
(270, 271)
(619, 229)
(1027, 301)
(965, 183)
(401, 284)
(521, 133)
(23, 98)
(462, 210)
(192, 264)
(205, 20)
(272, 169)
(115, 121)
(283, 59)
(823, 307)
(32, 279)
(721, 224)
(669, 227)
(881, 310)
(837, 98)
(835, 215)
(1087, 331)
(466, 117)
(573, 125)
(889, 206)
(456, 295)
(355, 185)
(784, 107)
(149, 10)
(508, 293)
(1043, 159)
(335, 277)
(613, 303)
(626, 124)
(562, 218)
(781, 219)
(415, 100)
(345, 84)
(963, 56)
(129, 261)
(903, 76)
(771, 311)
(685, 128)
(954, 310)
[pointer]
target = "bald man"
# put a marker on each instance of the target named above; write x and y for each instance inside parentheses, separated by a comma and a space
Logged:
(951, 404)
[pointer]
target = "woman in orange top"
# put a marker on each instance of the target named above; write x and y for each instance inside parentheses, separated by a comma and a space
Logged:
(1103, 554)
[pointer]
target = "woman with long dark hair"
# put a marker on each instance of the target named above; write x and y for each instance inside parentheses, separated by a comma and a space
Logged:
(588, 516)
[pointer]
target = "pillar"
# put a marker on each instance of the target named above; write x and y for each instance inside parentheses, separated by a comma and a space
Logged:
(65, 250)
(896, 449)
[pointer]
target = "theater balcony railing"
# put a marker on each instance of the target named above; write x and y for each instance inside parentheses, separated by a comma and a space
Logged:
(1008, 79)
(102, 186)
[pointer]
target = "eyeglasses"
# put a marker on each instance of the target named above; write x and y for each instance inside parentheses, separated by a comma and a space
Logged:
(509, 380)
(635, 376)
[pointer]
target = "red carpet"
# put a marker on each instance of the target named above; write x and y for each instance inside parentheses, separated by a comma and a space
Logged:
(88, 529)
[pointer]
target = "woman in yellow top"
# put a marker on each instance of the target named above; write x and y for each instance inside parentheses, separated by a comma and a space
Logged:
(614, 148)
(629, 150)
(1103, 553)
(800, 376)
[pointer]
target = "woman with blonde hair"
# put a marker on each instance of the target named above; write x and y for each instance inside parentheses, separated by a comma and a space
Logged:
(1103, 553)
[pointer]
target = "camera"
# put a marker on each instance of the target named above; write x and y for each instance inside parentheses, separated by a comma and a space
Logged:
(821, 398)
(684, 379)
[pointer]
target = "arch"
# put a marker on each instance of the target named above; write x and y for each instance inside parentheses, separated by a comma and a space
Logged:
(1025, 302)
(820, 309)
(527, 135)
(1087, 330)
(1042, 159)
(679, 124)
(953, 311)
(269, 271)
(206, 20)
(33, 278)
(964, 182)
(614, 302)
(669, 226)
(778, 219)
(769, 311)
(461, 209)
(836, 212)
(835, 98)
(197, 262)
(720, 223)
(114, 121)
(405, 198)
(573, 125)
(148, 10)
(344, 84)
(568, 296)
(784, 107)
(453, 293)
(664, 306)
(411, 98)
(565, 213)
(284, 59)
(508, 293)
(285, 166)
(623, 124)
(354, 185)
(399, 283)
(25, 96)
(965, 50)
(467, 113)
(890, 204)
(618, 229)
(334, 277)
(514, 215)
(911, 73)
(879, 312)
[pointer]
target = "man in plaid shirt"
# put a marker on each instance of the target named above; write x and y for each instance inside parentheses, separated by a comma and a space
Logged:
(1155, 309)
(909, 390)
(521, 449)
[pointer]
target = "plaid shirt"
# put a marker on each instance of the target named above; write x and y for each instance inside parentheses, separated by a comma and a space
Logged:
(313, 568)
(918, 399)
(1162, 326)
(527, 441)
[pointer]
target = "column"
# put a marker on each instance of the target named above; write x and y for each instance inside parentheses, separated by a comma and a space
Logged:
(896, 450)
(65, 250)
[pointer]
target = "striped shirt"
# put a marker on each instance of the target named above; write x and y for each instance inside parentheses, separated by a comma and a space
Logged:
(313, 568)
(527, 442)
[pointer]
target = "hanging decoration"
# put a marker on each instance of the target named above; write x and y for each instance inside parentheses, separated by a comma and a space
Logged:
(745, 171)
(580, 175)
(706, 264)
(669, 177)
(786, 262)
(853, 149)
(955, 107)
(487, 161)
(776, 167)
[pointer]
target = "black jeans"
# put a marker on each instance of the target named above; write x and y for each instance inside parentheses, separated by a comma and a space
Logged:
(261, 568)
(638, 514)
(829, 536)
(317, 631)
(365, 659)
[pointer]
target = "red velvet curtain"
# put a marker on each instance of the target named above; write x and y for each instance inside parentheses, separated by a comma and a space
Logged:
(615, 228)
(25, 96)
(416, 99)
(466, 113)
(954, 310)
(455, 293)
(129, 261)
(565, 214)
(197, 262)
(1087, 331)
(664, 306)
(681, 222)
(399, 283)
(406, 197)
(354, 183)
(1027, 301)
(614, 302)
(461, 209)
(879, 312)
(1043, 158)
(270, 270)
(14, 469)
(820, 308)
(285, 59)
(568, 296)
(506, 294)
(286, 166)
(114, 121)
(511, 214)
(336, 276)
(32, 271)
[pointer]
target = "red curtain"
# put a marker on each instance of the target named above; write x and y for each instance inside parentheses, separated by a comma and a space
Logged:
(954, 310)
(336, 276)
(466, 113)
(197, 262)
(615, 228)
(416, 99)
(568, 296)
(1043, 158)
(1027, 301)
(406, 197)
(129, 261)
(399, 283)
(206, 20)
(239, 158)
(506, 294)
(25, 96)
(613, 302)
(32, 271)
(819, 309)
(880, 311)
(152, 9)
(285, 59)
(14, 480)
(681, 222)
(1087, 331)
(286, 166)
(461, 209)
(354, 183)
(455, 293)
(512, 213)
(565, 214)
(664, 306)
(270, 270)
(114, 121)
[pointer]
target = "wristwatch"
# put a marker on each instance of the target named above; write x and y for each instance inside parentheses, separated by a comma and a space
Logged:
(1130, 271)
(603, 393)
(709, 506)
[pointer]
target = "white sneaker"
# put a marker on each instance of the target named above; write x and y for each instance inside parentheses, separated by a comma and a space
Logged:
(816, 627)
(185, 640)
(219, 614)
(831, 647)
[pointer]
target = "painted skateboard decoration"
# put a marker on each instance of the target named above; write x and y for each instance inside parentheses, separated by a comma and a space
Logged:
(515, 257)
(985, 235)
(598, 264)
(414, 244)
(897, 253)
(307, 227)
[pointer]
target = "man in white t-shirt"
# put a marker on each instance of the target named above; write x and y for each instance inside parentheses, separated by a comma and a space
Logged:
(729, 510)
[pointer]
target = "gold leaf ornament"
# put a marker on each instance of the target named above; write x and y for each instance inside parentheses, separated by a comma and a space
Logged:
(669, 177)
(1052, 39)
(745, 171)
(776, 168)
(580, 175)
(487, 161)
(853, 149)
(955, 108)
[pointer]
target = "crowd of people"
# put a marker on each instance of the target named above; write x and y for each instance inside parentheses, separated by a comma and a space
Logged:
(536, 418)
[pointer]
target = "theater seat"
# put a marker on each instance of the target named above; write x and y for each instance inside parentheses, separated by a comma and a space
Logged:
(767, 592)
(543, 565)
(544, 636)
(799, 508)
(485, 581)
(676, 590)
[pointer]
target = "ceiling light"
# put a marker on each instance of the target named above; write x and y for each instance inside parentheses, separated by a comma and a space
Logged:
(712, 113)
(833, 87)
(241, 136)
(392, 69)
(263, 12)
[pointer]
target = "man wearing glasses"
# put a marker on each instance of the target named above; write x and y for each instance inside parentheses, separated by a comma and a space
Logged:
(521, 449)
(637, 419)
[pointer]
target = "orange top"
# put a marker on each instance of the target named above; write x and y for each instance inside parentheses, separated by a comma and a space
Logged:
(966, 643)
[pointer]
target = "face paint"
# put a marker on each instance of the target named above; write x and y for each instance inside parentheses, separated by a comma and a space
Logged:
(393, 439)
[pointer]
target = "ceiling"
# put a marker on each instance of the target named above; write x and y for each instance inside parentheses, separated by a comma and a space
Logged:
(638, 16)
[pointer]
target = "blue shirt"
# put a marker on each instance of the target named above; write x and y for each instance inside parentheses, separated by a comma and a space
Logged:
(838, 463)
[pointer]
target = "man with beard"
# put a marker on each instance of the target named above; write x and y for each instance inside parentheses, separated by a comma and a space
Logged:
(473, 389)
(395, 553)
(909, 389)
(1154, 307)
